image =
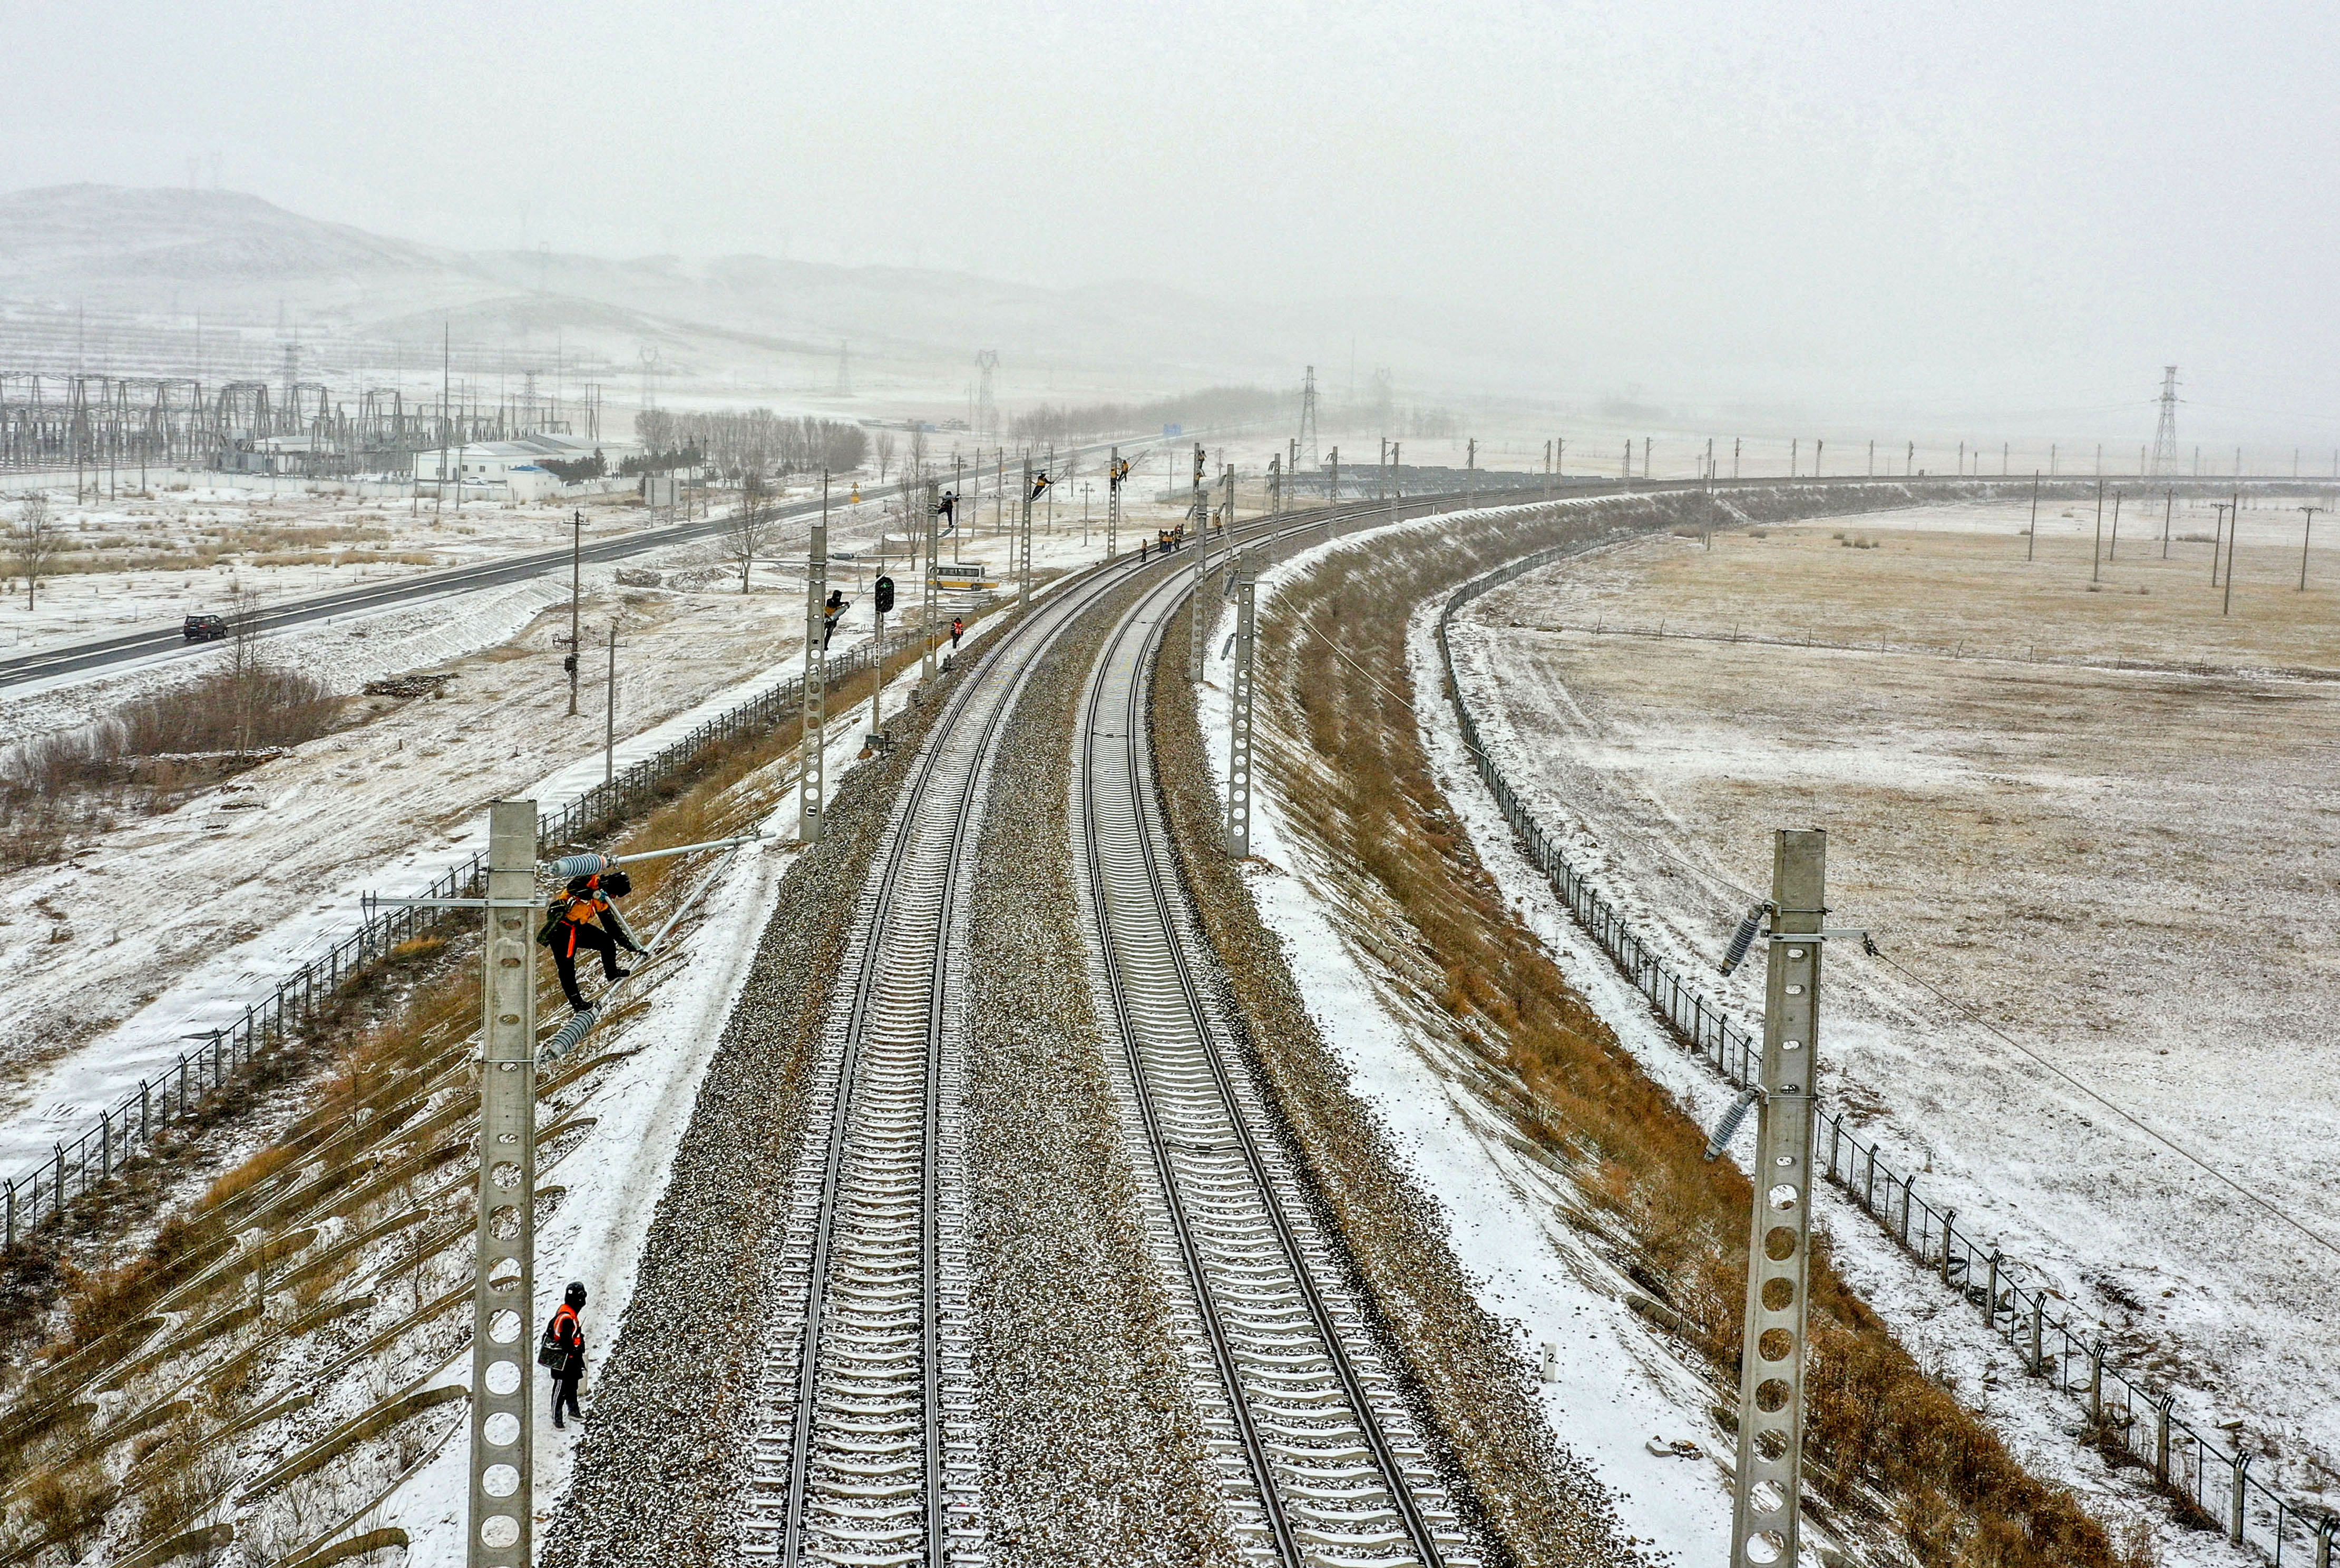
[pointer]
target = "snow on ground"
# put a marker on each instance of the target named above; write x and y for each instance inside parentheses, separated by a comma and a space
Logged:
(171, 926)
(193, 539)
(617, 1175)
(1618, 1383)
(2127, 872)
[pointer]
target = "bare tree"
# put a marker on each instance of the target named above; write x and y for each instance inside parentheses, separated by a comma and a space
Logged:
(751, 525)
(35, 539)
(915, 465)
(245, 676)
(883, 447)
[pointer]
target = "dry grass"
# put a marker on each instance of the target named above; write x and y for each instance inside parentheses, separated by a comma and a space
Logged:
(387, 1097)
(59, 791)
(1887, 1446)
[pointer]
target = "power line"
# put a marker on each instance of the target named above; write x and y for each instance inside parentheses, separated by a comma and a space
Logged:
(2126, 1115)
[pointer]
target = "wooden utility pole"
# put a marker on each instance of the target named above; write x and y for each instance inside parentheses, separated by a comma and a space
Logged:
(2217, 540)
(2304, 534)
(503, 1291)
(2031, 539)
(1768, 1505)
(2234, 536)
(2097, 558)
(2169, 507)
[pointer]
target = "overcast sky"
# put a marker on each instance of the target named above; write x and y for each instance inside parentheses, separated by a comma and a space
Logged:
(2020, 208)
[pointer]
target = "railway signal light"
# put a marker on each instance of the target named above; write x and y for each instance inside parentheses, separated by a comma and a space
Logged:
(884, 594)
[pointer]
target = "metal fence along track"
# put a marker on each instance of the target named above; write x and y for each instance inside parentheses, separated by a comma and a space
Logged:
(185, 1089)
(2128, 1419)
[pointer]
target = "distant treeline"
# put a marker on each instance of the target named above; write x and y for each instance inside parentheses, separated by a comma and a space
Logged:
(754, 440)
(1064, 425)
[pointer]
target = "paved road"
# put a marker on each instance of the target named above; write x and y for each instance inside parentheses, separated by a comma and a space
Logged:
(168, 639)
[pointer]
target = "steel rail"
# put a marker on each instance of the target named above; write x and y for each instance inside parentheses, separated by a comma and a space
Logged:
(851, 1420)
(917, 895)
(1121, 678)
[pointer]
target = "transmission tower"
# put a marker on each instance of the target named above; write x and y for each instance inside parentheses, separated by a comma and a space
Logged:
(2165, 438)
(1308, 420)
(987, 413)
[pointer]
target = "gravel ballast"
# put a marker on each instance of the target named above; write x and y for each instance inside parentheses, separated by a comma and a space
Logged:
(1095, 1451)
(1532, 1500)
(659, 1471)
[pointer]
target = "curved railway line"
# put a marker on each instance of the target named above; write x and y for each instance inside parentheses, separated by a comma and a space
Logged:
(864, 1455)
(864, 1446)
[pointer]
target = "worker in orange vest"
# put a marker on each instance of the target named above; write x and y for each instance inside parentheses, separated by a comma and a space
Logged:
(581, 915)
(562, 1353)
(959, 630)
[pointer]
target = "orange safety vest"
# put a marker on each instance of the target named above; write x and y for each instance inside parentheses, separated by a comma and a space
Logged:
(568, 1332)
(579, 909)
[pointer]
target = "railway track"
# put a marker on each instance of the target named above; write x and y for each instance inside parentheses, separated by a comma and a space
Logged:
(864, 1444)
(864, 1448)
(1321, 1461)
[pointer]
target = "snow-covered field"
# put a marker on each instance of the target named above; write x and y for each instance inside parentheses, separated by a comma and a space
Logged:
(2129, 872)
(171, 925)
(193, 540)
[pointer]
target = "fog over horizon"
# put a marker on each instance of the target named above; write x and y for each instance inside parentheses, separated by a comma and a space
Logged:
(1986, 210)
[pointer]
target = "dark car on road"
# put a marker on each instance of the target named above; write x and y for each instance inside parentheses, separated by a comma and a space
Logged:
(205, 629)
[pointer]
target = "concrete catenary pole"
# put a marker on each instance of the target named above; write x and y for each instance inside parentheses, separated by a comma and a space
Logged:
(959, 513)
(932, 607)
(810, 773)
(1201, 509)
(1024, 543)
(1768, 1503)
(576, 577)
(610, 714)
(504, 1294)
(1113, 505)
(1238, 835)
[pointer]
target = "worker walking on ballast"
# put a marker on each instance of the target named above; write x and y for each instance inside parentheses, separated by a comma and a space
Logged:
(561, 1353)
(581, 915)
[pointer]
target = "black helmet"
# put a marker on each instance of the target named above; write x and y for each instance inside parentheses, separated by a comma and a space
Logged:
(617, 884)
(575, 1295)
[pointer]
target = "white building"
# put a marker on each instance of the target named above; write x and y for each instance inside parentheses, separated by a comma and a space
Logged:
(516, 467)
